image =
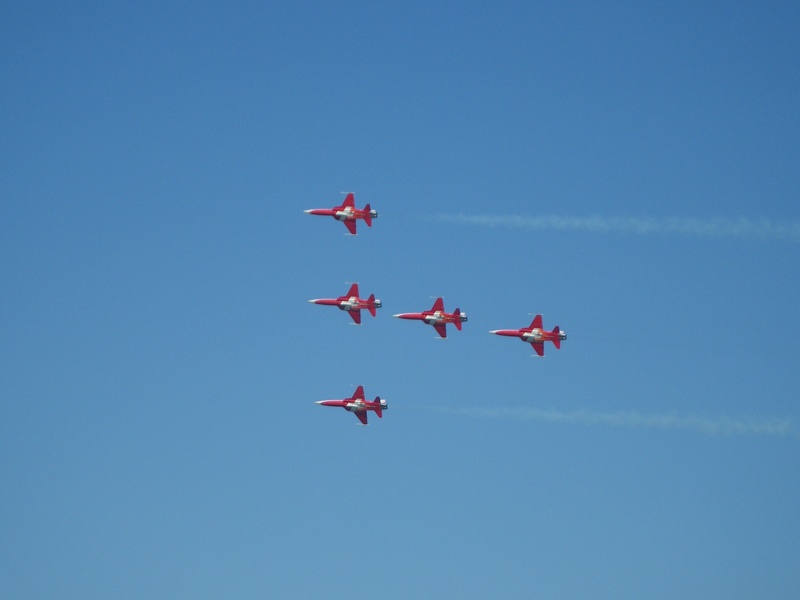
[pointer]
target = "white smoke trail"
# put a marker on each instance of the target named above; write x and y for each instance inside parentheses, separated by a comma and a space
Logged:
(705, 425)
(718, 227)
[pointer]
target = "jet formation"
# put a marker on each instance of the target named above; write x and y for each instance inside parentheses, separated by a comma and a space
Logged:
(535, 334)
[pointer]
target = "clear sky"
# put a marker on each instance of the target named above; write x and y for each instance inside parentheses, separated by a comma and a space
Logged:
(629, 170)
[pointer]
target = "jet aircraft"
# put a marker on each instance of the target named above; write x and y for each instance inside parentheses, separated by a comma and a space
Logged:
(352, 303)
(347, 213)
(358, 405)
(437, 317)
(535, 335)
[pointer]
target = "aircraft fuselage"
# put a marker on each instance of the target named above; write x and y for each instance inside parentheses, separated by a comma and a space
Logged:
(441, 317)
(358, 304)
(539, 335)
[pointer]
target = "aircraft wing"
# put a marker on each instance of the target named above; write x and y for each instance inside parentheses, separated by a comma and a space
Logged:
(442, 329)
(356, 314)
(351, 226)
(539, 347)
(362, 416)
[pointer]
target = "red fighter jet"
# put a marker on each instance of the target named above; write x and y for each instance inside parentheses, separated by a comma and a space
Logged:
(437, 317)
(352, 303)
(358, 405)
(535, 335)
(348, 213)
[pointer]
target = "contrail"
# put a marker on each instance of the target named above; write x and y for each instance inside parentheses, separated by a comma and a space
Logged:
(716, 227)
(705, 425)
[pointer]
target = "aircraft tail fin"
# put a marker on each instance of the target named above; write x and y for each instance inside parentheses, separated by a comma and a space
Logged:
(371, 307)
(556, 338)
(367, 215)
(457, 322)
(378, 409)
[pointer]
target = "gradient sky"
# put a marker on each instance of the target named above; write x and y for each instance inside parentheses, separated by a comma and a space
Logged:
(630, 172)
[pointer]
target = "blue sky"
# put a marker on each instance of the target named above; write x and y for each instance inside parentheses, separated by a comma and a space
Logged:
(628, 171)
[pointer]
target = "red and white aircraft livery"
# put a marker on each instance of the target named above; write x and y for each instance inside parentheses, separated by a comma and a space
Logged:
(352, 303)
(348, 213)
(437, 317)
(358, 405)
(535, 335)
